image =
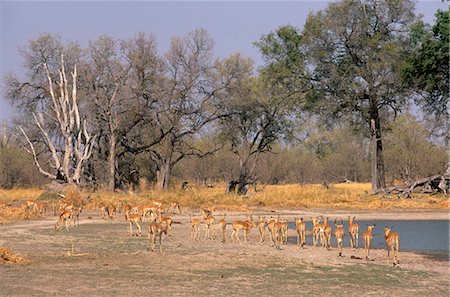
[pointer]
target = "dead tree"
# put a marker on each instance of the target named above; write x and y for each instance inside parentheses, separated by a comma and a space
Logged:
(231, 186)
(433, 184)
(76, 145)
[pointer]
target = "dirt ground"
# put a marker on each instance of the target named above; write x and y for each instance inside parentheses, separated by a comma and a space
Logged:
(108, 262)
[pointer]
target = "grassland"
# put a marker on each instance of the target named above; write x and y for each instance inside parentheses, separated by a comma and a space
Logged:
(339, 196)
(98, 258)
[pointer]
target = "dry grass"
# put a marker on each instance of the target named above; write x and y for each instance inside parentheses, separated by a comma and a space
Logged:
(339, 196)
(6, 256)
(351, 196)
(19, 194)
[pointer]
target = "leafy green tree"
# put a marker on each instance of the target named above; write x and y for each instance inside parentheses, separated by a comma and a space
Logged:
(354, 51)
(427, 68)
(253, 120)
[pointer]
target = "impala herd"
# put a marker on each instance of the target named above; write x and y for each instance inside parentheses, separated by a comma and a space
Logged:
(159, 224)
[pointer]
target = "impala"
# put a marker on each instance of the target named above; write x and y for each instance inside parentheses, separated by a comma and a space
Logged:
(353, 230)
(326, 234)
(270, 225)
(392, 243)
(222, 227)
(134, 219)
(112, 211)
(41, 207)
(76, 211)
(316, 230)
(195, 223)
(300, 227)
(339, 233)
(168, 222)
(277, 234)
(206, 212)
(262, 229)
(147, 210)
(210, 230)
(175, 208)
(367, 239)
(156, 229)
(246, 226)
(127, 208)
(284, 231)
(63, 217)
(29, 207)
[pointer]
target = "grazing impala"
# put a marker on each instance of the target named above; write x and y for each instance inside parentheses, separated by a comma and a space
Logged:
(367, 239)
(63, 217)
(300, 227)
(353, 230)
(222, 227)
(195, 223)
(156, 229)
(339, 233)
(392, 243)
(246, 226)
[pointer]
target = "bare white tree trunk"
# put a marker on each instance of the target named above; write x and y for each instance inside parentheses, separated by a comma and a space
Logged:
(77, 144)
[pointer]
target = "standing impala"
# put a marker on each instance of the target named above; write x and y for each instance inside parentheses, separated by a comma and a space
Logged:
(246, 226)
(367, 237)
(392, 243)
(210, 232)
(326, 234)
(262, 229)
(270, 224)
(195, 224)
(222, 228)
(339, 233)
(300, 226)
(353, 230)
(318, 228)
(134, 219)
(156, 229)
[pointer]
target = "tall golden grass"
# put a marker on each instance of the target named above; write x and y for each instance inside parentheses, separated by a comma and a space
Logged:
(293, 196)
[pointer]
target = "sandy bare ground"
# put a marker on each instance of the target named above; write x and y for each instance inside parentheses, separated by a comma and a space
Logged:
(109, 262)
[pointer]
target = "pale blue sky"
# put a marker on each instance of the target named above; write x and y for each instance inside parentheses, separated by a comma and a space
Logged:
(233, 25)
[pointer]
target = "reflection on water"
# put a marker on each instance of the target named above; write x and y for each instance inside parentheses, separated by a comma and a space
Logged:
(422, 236)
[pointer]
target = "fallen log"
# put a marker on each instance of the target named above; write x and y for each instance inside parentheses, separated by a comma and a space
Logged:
(433, 184)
